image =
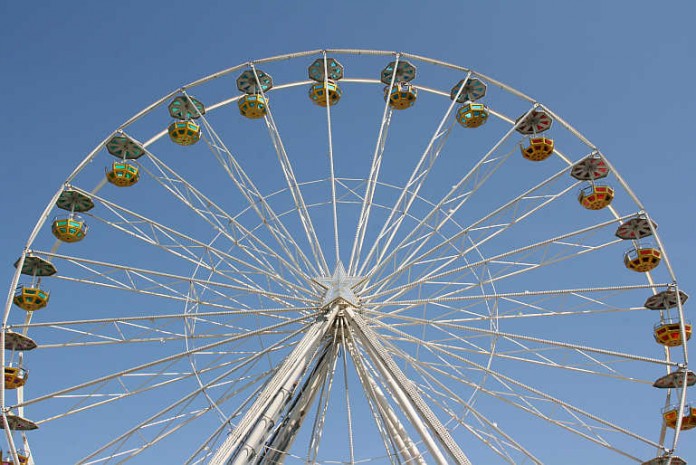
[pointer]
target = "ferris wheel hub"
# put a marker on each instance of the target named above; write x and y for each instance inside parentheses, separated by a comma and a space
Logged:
(339, 288)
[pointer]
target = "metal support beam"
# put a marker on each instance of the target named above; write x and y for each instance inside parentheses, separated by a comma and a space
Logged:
(407, 396)
(403, 443)
(251, 432)
(281, 441)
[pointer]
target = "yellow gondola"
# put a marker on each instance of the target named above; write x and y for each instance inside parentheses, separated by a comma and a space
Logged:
(669, 333)
(69, 229)
(15, 377)
(596, 197)
(253, 106)
(318, 94)
(30, 298)
(671, 415)
(642, 259)
(402, 96)
(472, 115)
(22, 456)
(184, 132)
(539, 149)
(123, 174)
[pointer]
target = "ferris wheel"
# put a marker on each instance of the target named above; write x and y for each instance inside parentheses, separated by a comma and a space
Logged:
(345, 256)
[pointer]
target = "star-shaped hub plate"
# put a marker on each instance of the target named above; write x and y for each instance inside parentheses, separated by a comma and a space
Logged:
(339, 287)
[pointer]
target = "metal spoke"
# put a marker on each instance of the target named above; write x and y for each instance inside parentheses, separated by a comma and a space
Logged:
(154, 420)
(324, 397)
(561, 241)
(244, 441)
(161, 284)
(536, 392)
(329, 132)
(469, 408)
(412, 187)
(464, 189)
(136, 330)
(159, 361)
(524, 404)
(527, 293)
(179, 244)
(549, 342)
(291, 181)
(493, 224)
(113, 397)
(244, 363)
(220, 220)
(225, 426)
(371, 183)
(256, 200)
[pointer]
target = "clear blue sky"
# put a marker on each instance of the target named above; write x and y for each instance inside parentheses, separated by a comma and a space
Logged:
(620, 72)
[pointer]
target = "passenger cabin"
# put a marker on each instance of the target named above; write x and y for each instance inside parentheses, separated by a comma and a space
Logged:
(30, 298)
(538, 149)
(642, 259)
(185, 107)
(318, 94)
(69, 229)
(636, 228)
(18, 423)
(472, 115)
(402, 96)
(669, 334)
(671, 416)
(22, 456)
(325, 72)
(15, 377)
(18, 341)
(184, 132)
(533, 122)
(125, 148)
(596, 197)
(253, 106)
(123, 174)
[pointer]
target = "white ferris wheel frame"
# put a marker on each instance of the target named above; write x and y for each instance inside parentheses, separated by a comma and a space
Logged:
(433, 434)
